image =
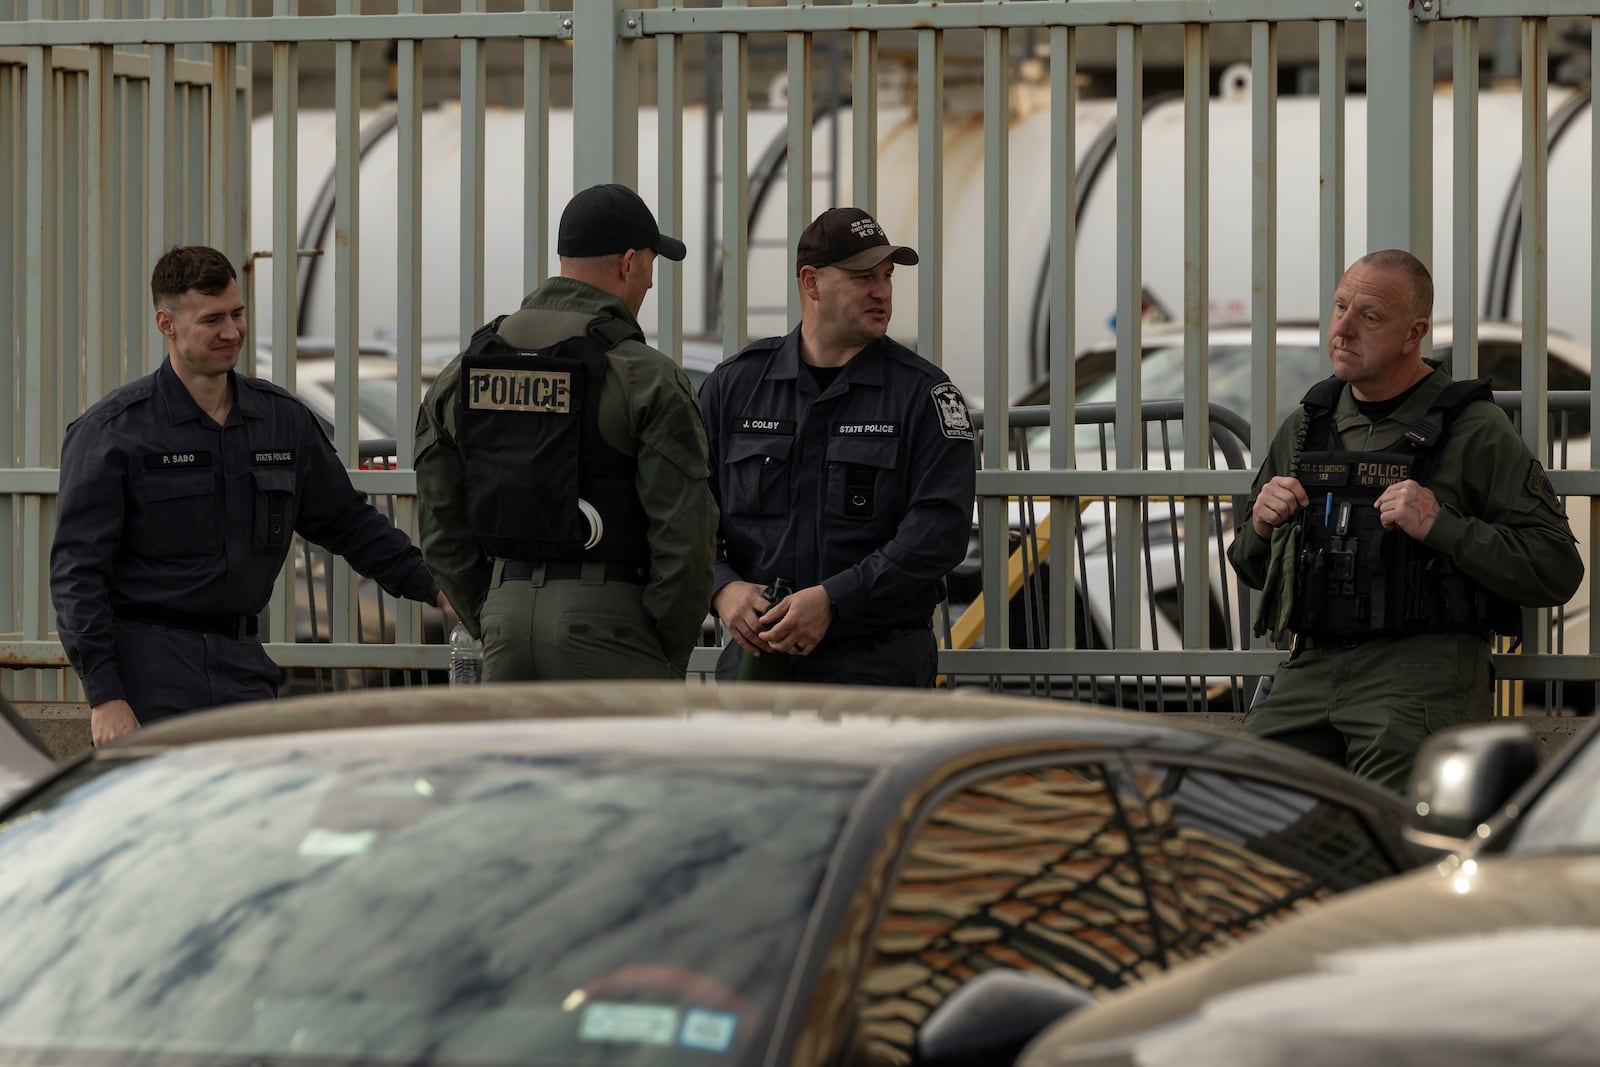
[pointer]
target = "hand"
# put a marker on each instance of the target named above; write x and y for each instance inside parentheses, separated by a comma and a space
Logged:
(1276, 504)
(444, 605)
(1409, 507)
(740, 606)
(111, 719)
(799, 621)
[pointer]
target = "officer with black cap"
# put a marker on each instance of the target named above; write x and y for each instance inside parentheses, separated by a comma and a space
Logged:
(561, 469)
(180, 493)
(844, 469)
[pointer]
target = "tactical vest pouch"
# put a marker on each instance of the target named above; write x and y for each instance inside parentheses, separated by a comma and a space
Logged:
(521, 431)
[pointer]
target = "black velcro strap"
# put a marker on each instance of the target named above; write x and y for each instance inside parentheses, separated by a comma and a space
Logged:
(515, 570)
(235, 626)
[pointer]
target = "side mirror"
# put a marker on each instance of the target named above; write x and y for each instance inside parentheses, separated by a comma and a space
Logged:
(990, 1019)
(1463, 776)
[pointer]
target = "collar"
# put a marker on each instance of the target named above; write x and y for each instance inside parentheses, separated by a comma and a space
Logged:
(569, 294)
(181, 406)
(1416, 407)
(866, 367)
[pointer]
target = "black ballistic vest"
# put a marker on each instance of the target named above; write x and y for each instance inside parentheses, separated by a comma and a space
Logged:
(528, 427)
(1355, 580)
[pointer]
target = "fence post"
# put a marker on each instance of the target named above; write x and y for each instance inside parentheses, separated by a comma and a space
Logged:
(1399, 130)
(605, 95)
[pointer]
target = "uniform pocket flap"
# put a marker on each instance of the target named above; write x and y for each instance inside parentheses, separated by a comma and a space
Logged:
(274, 481)
(744, 446)
(173, 486)
(878, 452)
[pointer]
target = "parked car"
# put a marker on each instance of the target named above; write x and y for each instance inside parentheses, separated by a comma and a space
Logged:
(1485, 958)
(24, 758)
(636, 873)
(1301, 362)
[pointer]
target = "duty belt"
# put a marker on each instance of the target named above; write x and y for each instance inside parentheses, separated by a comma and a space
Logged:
(516, 570)
(235, 626)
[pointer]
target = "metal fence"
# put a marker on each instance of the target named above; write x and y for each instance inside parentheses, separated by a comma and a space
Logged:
(125, 127)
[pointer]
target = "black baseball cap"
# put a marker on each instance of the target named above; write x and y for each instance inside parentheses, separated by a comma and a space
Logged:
(850, 239)
(606, 219)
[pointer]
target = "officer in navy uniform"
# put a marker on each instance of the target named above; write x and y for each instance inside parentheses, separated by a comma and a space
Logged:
(180, 493)
(844, 469)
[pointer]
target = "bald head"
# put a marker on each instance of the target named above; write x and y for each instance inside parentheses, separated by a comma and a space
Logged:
(1403, 262)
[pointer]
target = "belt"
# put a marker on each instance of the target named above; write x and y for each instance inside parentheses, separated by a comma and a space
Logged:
(235, 626)
(1306, 642)
(517, 570)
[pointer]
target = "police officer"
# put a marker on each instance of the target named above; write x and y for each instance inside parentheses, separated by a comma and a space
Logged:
(180, 493)
(561, 469)
(1397, 522)
(844, 469)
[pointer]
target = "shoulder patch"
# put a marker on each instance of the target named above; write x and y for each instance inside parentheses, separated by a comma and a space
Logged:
(953, 418)
(1539, 485)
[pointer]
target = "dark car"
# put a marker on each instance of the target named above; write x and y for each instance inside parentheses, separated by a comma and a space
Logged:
(24, 758)
(578, 875)
(1486, 958)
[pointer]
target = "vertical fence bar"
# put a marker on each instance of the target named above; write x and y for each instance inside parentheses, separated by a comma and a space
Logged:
(535, 158)
(1464, 201)
(472, 189)
(38, 115)
(159, 150)
(347, 291)
(735, 192)
(1333, 54)
(1063, 324)
(864, 119)
(222, 228)
(284, 264)
(1196, 325)
(1594, 323)
(801, 133)
(669, 191)
(1535, 268)
(1127, 573)
(605, 97)
(996, 331)
(1399, 130)
(1264, 224)
(930, 195)
(99, 367)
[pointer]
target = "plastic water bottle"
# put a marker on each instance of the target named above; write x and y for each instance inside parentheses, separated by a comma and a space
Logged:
(466, 657)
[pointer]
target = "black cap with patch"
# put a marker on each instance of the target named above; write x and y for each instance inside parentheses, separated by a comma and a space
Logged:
(606, 219)
(850, 239)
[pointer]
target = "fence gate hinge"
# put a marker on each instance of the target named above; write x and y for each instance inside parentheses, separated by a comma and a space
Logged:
(565, 32)
(631, 25)
(1427, 10)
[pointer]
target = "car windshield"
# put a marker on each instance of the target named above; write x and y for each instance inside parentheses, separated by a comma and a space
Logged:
(373, 904)
(1566, 815)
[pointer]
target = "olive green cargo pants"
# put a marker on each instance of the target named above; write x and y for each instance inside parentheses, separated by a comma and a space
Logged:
(1368, 707)
(538, 629)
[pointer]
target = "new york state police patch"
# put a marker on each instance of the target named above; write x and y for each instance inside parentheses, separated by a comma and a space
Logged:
(953, 418)
(1539, 485)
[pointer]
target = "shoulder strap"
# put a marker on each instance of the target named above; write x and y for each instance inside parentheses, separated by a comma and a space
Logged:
(609, 332)
(1426, 435)
(1317, 423)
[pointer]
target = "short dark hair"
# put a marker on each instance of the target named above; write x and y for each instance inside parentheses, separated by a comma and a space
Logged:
(1399, 259)
(185, 267)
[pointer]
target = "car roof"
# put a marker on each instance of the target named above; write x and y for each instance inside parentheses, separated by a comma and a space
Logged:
(846, 725)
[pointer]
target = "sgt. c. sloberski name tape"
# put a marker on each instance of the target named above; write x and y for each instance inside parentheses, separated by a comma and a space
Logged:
(546, 392)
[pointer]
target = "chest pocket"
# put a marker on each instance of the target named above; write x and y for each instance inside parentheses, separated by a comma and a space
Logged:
(177, 515)
(274, 510)
(756, 475)
(861, 482)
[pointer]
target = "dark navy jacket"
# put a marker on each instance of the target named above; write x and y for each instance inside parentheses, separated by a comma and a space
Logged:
(865, 488)
(158, 505)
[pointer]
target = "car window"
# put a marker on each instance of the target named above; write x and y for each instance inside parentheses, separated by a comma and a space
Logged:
(1161, 376)
(391, 904)
(1029, 869)
(1501, 362)
(1566, 815)
(1240, 851)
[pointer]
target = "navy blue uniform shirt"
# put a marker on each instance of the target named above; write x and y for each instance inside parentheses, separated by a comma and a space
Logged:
(865, 487)
(161, 506)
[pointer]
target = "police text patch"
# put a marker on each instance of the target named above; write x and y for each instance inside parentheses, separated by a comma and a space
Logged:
(546, 392)
(867, 429)
(161, 461)
(759, 425)
(952, 406)
(274, 457)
